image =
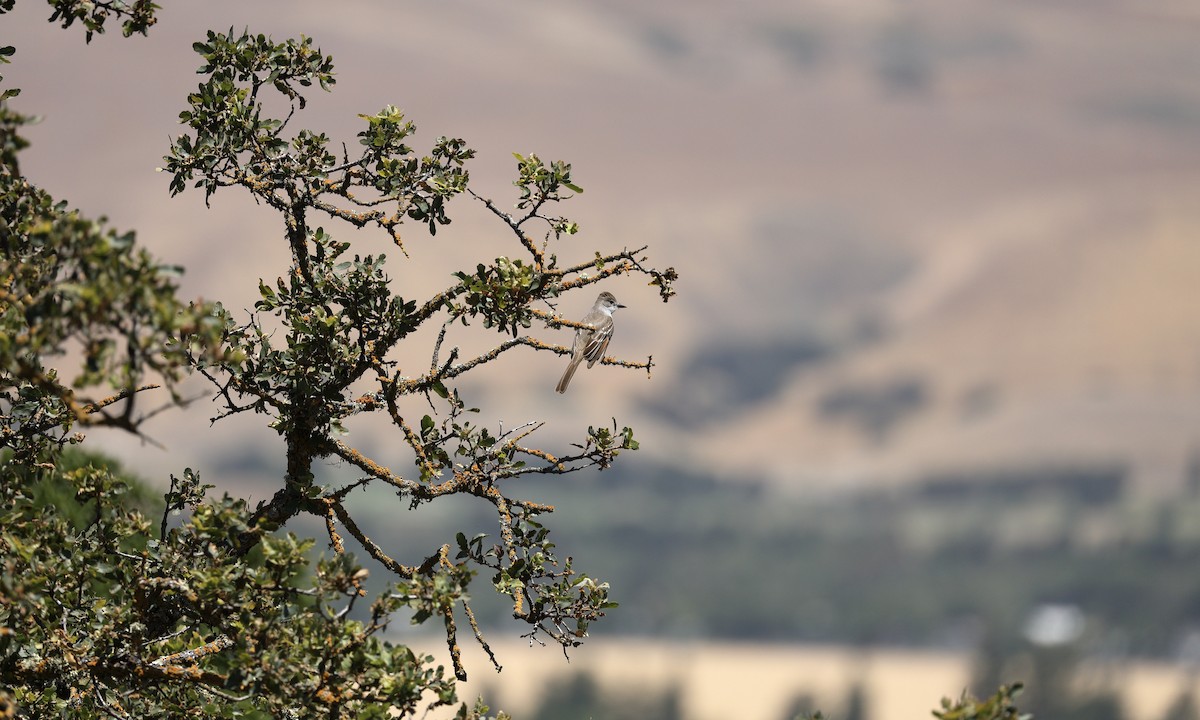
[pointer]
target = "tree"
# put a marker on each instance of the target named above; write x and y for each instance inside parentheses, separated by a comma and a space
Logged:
(221, 612)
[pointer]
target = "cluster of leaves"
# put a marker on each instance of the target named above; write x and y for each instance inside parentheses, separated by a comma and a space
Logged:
(136, 17)
(1001, 706)
(235, 140)
(122, 617)
(500, 294)
(10, 122)
(71, 284)
(422, 185)
(541, 184)
(338, 322)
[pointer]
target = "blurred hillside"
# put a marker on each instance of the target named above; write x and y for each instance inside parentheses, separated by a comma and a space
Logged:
(916, 238)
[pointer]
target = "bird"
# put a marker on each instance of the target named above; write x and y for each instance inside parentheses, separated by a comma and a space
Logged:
(591, 341)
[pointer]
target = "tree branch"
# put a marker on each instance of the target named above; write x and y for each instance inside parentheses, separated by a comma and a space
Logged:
(538, 255)
(368, 544)
(191, 656)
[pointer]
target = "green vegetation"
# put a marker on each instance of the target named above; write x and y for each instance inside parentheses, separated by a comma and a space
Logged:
(1001, 706)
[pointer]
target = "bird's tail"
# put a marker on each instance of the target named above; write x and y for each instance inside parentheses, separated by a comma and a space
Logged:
(565, 380)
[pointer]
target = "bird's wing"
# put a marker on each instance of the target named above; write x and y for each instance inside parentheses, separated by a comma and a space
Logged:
(597, 343)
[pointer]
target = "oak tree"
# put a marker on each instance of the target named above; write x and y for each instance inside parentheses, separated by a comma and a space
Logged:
(214, 607)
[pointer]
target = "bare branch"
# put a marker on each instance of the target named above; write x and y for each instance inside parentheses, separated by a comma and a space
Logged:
(515, 226)
(448, 371)
(479, 636)
(404, 571)
(601, 260)
(354, 457)
(99, 405)
(334, 539)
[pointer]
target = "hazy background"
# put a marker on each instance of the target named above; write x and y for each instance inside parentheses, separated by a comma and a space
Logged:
(935, 363)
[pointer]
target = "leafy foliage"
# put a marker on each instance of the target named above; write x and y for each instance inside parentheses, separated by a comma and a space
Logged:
(71, 284)
(130, 590)
(216, 609)
(1001, 706)
(136, 17)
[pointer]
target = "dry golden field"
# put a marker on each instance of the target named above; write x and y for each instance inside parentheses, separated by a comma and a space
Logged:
(758, 682)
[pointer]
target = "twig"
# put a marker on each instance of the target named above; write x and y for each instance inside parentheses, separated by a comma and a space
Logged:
(191, 656)
(479, 636)
(404, 571)
(515, 226)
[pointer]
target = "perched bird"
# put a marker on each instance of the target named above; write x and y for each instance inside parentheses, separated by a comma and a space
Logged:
(592, 341)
